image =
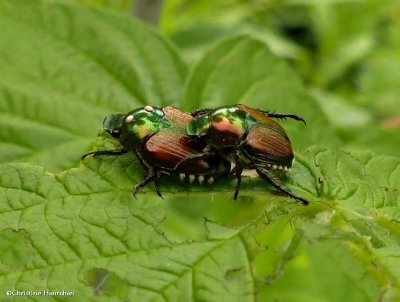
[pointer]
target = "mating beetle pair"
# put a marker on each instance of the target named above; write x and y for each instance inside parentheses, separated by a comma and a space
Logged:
(205, 144)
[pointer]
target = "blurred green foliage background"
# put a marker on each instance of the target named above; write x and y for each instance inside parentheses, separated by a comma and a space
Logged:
(346, 52)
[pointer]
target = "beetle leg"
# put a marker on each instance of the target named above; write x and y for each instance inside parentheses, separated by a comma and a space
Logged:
(239, 181)
(157, 176)
(283, 116)
(151, 176)
(201, 111)
(104, 152)
(238, 173)
(226, 166)
(190, 157)
(148, 178)
(142, 162)
(275, 182)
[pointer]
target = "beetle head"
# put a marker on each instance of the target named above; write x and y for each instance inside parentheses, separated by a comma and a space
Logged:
(112, 124)
(132, 128)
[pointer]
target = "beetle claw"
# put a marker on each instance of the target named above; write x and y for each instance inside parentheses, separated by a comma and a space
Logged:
(159, 192)
(151, 176)
(134, 191)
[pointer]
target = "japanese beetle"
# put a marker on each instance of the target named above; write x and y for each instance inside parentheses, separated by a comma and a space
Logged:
(249, 138)
(158, 138)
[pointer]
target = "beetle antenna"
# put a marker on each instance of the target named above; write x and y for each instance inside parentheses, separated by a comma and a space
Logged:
(283, 116)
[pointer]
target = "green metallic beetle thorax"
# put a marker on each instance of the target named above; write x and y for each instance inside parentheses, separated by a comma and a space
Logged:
(133, 128)
(224, 127)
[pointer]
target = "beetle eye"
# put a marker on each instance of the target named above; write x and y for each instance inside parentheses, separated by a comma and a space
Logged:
(116, 133)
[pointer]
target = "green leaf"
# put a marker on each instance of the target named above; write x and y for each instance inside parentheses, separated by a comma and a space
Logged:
(350, 117)
(84, 226)
(354, 180)
(63, 68)
(342, 43)
(88, 235)
(345, 246)
(243, 70)
(381, 80)
(15, 250)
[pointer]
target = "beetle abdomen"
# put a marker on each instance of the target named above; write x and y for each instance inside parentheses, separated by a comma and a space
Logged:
(264, 145)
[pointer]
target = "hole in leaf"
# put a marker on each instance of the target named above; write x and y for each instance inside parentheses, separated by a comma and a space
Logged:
(16, 249)
(105, 282)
